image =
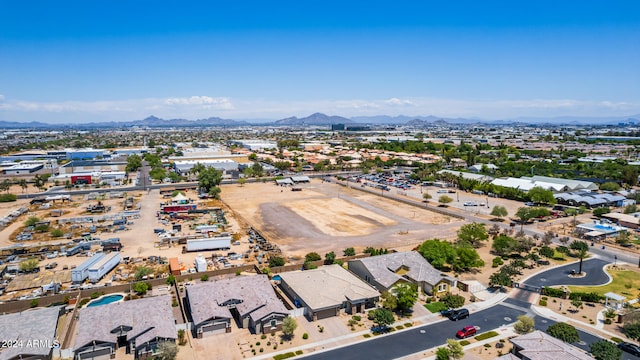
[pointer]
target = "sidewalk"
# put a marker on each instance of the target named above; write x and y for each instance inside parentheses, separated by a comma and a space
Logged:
(548, 313)
(356, 337)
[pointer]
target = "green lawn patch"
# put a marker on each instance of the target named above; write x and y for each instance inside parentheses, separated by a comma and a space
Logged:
(464, 342)
(284, 356)
(366, 336)
(435, 307)
(488, 334)
(624, 282)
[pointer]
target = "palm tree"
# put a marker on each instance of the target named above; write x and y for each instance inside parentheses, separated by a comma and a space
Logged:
(23, 184)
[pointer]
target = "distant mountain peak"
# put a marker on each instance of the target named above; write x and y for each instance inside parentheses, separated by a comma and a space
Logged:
(316, 119)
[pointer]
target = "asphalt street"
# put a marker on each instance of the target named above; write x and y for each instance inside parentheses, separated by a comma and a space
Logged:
(593, 268)
(418, 339)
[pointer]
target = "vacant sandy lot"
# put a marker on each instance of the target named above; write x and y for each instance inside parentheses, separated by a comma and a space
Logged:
(327, 217)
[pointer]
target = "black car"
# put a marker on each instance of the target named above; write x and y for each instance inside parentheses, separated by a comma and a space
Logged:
(459, 314)
(380, 329)
(629, 348)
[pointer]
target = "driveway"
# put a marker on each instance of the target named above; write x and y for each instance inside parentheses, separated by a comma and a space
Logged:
(593, 268)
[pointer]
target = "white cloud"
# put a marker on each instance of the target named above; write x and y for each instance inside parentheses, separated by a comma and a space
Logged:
(206, 101)
(197, 107)
(399, 102)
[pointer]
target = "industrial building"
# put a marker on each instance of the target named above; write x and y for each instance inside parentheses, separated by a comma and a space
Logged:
(81, 272)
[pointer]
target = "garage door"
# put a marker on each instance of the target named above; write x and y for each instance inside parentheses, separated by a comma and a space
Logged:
(214, 329)
(323, 314)
(99, 354)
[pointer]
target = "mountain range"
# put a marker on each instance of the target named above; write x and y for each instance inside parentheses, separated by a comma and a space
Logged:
(319, 119)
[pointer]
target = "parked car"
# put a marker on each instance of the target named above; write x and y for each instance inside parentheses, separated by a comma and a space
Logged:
(458, 314)
(630, 348)
(466, 331)
(470, 203)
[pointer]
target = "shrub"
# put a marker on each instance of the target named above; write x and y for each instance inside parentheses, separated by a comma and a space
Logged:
(400, 327)
(488, 334)
(356, 317)
(553, 292)
(299, 352)
(263, 336)
(56, 233)
(94, 295)
(204, 277)
(607, 321)
(487, 345)
(408, 324)
(175, 303)
(588, 297)
(33, 303)
(8, 197)
(84, 302)
(452, 301)
(305, 336)
(616, 339)
(464, 342)
(366, 336)
(258, 343)
(543, 302)
(284, 356)
(261, 350)
(497, 261)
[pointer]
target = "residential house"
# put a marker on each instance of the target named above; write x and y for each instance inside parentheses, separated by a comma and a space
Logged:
(384, 271)
(326, 291)
(29, 334)
(251, 300)
(540, 346)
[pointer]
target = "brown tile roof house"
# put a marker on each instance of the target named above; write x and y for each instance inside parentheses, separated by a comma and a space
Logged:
(540, 346)
(213, 304)
(384, 271)
(140, 325)
(327, 290)
(30, 333)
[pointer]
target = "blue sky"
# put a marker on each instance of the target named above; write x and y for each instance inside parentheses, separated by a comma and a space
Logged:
(80, 61)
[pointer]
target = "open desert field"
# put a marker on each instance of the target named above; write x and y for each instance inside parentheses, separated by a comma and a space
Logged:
(327, 217)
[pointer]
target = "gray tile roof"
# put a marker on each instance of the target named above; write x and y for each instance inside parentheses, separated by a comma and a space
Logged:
(149, 318)
(255, 293)
(540, 346)
(27, 327)
(328, 286)
(384, 267)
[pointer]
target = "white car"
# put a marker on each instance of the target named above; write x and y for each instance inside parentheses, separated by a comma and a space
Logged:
(470, 203)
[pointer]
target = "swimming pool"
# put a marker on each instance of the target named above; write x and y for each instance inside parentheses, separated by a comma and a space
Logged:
(105, 300)
(606, 229)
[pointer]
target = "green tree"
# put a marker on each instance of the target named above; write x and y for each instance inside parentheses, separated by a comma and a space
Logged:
(389, 301)
(524, 325)
(257, 169)
(610, 186)
(253, 157)
(581, 249)
(546, 251)
(171, 280)
(632, 330)
(499, 211)
(142, 271)
(31, 221)
(56, 233)
(630, 209)
(564, 332)
(473, 234)
(28, 265)
(455, 349)
(242, 181)
(381, 317)
(276, 261)
(541, 196)
(605, 350)
(452, 301)
(23, 184)
(134, 162)
(426, 196)
(407, 295)
(442, 353)
(500, 278)
(630, 175)
(467, 258)
(204, 277)
(39, 181)
(289, 325)
(349, 252)
(601, 211)
(208, 180)
(329, 258)
(524, 214)
(444, 200)
(438, 253)
(167, 350)
(141, 288)
(504, 245)
(312, 256)
(158, 173)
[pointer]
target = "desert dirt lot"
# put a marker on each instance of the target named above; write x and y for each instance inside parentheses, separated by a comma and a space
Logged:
(327, 217)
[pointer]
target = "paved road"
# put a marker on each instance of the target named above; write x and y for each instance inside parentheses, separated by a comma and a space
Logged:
(420, 338)
(593, 268)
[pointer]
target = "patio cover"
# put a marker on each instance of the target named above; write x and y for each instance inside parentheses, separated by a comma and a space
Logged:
(594, 233)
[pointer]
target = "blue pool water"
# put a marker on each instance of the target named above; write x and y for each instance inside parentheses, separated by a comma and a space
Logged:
(276, 278)
(105, 300)
(604, 227)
